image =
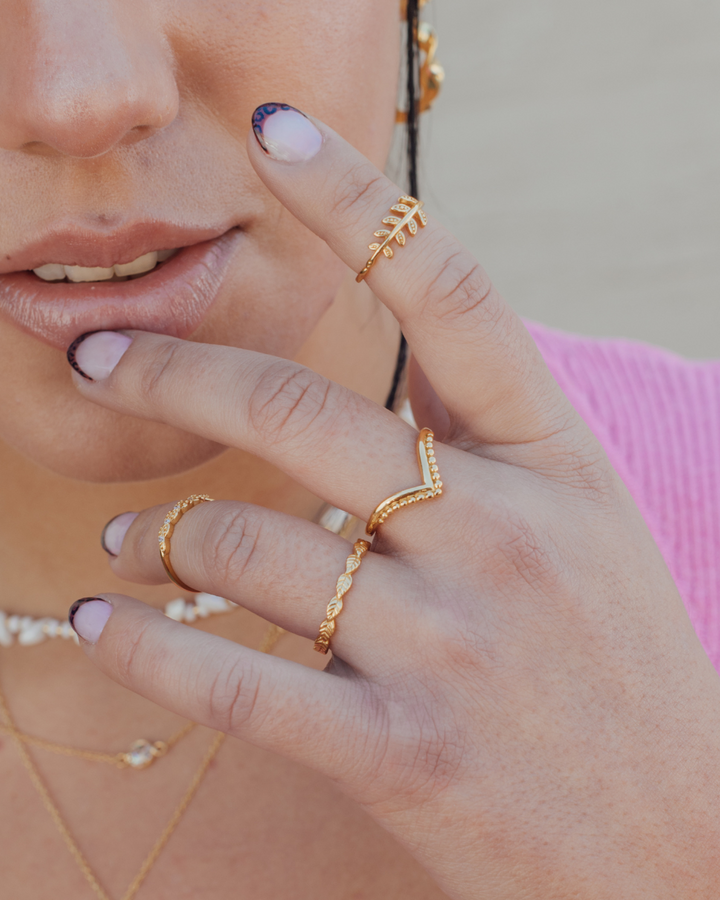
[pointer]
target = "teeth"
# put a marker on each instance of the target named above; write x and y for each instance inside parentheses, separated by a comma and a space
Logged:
(139, 266)
(50, 272)
(81, 273)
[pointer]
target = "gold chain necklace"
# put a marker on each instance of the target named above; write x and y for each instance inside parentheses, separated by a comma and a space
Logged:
(271, 637)
(142, 753)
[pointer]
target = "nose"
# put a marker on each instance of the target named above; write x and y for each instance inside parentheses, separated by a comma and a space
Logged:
(81, 77)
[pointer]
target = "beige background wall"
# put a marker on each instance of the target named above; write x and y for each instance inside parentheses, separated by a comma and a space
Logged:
(575, 150)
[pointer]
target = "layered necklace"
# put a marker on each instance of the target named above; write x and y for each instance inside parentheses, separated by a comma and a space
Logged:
(27, 631)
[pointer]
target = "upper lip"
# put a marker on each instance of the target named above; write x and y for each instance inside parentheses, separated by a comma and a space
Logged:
(79, 245)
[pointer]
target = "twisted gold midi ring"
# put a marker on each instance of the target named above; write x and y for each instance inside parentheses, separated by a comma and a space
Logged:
(343, 585)
(431, 486)
(166, 531)
(410, 216)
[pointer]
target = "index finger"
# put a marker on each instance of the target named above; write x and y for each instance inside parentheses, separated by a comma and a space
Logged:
(476, 352)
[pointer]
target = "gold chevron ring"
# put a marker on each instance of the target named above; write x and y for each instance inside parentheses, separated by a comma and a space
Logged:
(431, 486)
(410, 216)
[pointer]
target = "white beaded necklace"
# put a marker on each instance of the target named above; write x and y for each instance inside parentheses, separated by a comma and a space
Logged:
(30, 630)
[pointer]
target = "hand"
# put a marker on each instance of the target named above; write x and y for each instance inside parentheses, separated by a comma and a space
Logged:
(517, 693)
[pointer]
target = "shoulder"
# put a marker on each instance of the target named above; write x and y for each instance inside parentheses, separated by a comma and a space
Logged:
(658, 417)
(643, 402)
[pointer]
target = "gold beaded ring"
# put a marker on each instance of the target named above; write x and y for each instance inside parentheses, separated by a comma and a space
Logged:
(343, 585)
(431, 486)
(411, 217)
(166, 531)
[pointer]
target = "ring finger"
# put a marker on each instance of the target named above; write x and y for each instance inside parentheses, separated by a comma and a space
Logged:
(279, 567)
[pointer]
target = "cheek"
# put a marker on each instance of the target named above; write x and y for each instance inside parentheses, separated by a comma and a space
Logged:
(338, 60)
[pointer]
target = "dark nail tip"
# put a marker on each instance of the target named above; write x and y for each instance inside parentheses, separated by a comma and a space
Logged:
(260, 113)
(76, 606)
(106, 530)
(102, 539)
(265, 110)
(72, 351)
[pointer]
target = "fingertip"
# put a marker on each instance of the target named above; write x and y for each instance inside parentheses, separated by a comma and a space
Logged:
(112, 535)
(88, 617)
(285, 134)
(94, 355)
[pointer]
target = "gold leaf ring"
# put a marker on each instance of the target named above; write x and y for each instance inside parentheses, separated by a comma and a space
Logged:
(343, 585)
(167, 528)
(431, 486)
(410, 216)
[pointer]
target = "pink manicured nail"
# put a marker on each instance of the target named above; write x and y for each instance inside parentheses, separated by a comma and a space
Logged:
(88, 617)
(95, 355)
(285, 133)
(113, 533)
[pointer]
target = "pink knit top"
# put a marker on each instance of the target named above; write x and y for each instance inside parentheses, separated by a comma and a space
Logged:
(658, 417)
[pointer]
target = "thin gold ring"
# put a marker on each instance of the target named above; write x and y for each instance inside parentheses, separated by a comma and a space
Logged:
(431, 486)
(407, 213)
(343, 585)
(166, 531)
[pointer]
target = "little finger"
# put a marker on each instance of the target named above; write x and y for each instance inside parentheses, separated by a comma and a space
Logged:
(275, 704)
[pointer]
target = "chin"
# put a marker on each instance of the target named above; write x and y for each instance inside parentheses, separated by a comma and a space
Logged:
(44, 417)
(107, 448)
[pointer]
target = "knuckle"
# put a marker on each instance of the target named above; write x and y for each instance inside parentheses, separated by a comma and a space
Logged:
(424, 757)
(584, 471)
(229, 547)
(459, 287)
(233, 696)
(288, 402)
(131, 661)
(437, 757)
(524, 551)
(159, 370)
(354, 193)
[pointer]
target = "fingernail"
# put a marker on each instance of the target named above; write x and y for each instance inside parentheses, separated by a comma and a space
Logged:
(88, 617)
(95, 354)
(285, 133)
(113, 533)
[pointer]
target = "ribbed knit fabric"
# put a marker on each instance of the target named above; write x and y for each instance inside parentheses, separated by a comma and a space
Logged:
(658, 418)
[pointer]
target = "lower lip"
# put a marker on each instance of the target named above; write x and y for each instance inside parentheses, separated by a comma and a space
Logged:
(172, 299)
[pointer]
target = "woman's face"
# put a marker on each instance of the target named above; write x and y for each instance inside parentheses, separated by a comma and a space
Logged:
(122, 132)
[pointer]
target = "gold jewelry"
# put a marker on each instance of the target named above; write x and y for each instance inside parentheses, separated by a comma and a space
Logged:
(411, 214)
(431, 74)
(343, 585)
(431, 486)
(332, 520)
(403, 8)
(71, 843)
(142, 753)
(166, 531)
